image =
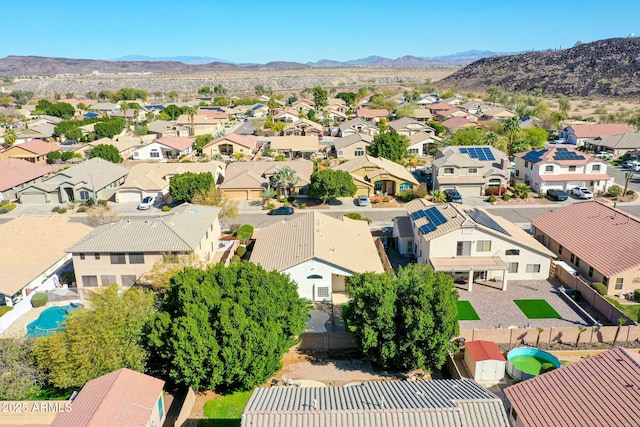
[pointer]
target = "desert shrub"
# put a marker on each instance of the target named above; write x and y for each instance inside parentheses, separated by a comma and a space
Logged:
(356, 216)
(39, 299)
(7, 207)
(600, 288)
(302, 205)
(271, 206)
(166, 208)
(494, 191)
(506, 197)
(235, 259)
(102, 203)
(4, 309)
(241, 251)
(55, 209)
(406, 196)
(420, 191)
(385, 200)
(82, 209)
(492, 199)
(245, 232)
(636, 295)
(291, 199)
(62, 210)
(615, 190)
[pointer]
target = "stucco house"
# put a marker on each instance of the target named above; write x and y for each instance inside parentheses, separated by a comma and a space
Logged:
(289, 115)
(421, 143)
(356, 126)
(295, 147)
(351, 146)
(246, 180)
(373, 115)
(16, 174)
(597, 240)
(95, 179)
(318, 252)
(561, 168)
(302, 127)
(153, 179)
(121, 252)
(230, 144)
(124, 146)
(579, 134)
(162, 128)
(377, 174)
(204, 122)
(470, 169)
(165, 148)
(34, 151)
(408, 127)
(618, 145)
(470, 244)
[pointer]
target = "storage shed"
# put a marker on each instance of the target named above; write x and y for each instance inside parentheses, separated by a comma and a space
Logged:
(484, 360)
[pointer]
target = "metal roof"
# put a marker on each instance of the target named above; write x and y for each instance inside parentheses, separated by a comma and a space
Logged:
(377, 403)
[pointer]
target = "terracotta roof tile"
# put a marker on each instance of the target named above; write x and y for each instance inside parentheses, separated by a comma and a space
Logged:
(14, 172)
(36, 146)
(180, 143)
(595, 130)
(484, 350)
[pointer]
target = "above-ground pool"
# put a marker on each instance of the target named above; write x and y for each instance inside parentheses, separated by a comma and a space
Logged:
(527, 362)
(50, 320)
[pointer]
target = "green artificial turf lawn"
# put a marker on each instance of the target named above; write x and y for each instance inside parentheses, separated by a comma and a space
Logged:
(466, 311)
(226, 411)
(537, 309)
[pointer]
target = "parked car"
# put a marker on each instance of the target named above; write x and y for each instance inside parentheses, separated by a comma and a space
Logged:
(146, 203)
(560, 141)
(630, 163)
(582, 193)
(453, 196)
(557, 195)
(363, 201)
(282, 210)
(604, 155)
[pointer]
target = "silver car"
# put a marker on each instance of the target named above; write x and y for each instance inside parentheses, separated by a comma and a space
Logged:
(146, 203)
(363, 201)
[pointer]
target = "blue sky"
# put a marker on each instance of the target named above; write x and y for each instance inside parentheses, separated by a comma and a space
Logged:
(269, 30)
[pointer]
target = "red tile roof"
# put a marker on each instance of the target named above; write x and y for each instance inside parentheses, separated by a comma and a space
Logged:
(602, 390)
(213, 114)
(37, 147)
(455, 122)
(244, 140)
(14, 172)
(366, 112)
(123, 398)
(180, 143)
(604, 237)
(484, 350)
(595, 130)
(440, 106)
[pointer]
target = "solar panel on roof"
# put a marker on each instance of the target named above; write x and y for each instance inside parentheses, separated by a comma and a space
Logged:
(488, 154)
(482, 218)
(480, 153)
(435, 216)
(418, 214)
(427, 228)
(464, 150)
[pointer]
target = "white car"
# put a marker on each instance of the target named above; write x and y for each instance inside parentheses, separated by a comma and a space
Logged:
(630, 163)
(604, 155)
(146, 203)
(582, 193)
(363, 201)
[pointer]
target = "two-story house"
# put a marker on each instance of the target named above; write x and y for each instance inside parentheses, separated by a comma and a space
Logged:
(561, 168)
(121, 252)
(579, 134)
(470, 169)
(407, 126)
(470, 244)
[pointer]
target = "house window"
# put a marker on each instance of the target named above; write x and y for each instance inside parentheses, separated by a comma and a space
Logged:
(512, 267)
(513, 252)
(323, 292)
(84, 195)
(483, 246)
(314, 276)
(136, 258)
(128, 280)
(572, 258)
(160, 407)
(517, 172)
(405, 186)
(89, 281)
(605, 281)
(533, 268)
(463, 248)
(526, 164)
(548, 168)
(473, 171)
(577, 261)
(359, 152)
(590, 272)
(96, 255)
(448, 171)
(107, 280)
(619, 283)
(595, 168)
(118, 258)
(560, 249)
(154, 154)
(340, 153)
(572, 168)
(81, 256)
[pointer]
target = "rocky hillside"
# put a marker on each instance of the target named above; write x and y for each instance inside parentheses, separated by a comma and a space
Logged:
(609, 68)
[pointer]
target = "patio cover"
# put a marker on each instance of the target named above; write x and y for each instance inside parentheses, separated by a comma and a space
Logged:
(468, 263)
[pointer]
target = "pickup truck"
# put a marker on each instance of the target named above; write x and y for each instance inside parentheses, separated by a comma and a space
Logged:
(604, 155)
(582, 193)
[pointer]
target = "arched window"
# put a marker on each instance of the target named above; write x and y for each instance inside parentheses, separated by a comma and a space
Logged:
(314, 276)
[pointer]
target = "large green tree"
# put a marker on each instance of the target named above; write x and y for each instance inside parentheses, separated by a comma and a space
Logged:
(69, 128)
(108, 128)
(107, 152)
(319, 97)
(96, 341)
(20, 378)
(173, 111)
(227, 327)
(511, 128)
(329, 184)
(390, 145)
(184, 186)
(284, 179)
(404, 320)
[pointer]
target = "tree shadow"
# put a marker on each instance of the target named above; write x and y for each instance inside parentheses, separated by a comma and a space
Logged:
(233, 422)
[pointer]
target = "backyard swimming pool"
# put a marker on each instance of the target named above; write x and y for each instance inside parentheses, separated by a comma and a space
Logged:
(50, 320)
(525, 362)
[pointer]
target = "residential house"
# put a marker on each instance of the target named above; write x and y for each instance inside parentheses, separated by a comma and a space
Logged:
(561, 168)
(317, 252)
(470, 244)
(259, 110)
(153, 179)
(618, 145)
(470, 169)
(474, 106)
(125, 147)
(372, 115)
(34, 151)
(442, 403)
(427, 99)
(357, 125)
(295, 147)
(246, 180)
(123, 398)
(289, 115)
(579, 134)
(595, 239)
(422, 114)
(337, 104)
(454, 101)
(422, 143)
(32, 255)
(228, 145)
(351, 146)
(455, 123)
(95, 179)
(336, 116)
(303, 105)
(205, 122)
(121, 252)
(408, 127)
(167, 128)
(43, 131)
(105, 107)
(165, 148)
(601, 390)
(16, 174)
(302, 127)
(374, 175)
(496, 112)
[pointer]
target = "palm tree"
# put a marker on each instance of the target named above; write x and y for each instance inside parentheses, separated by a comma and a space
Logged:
(540, 330)
(285, 178)
(10, 136)
(191, 111)
(511, 126)
(124, 106)
(438, 196)
(267, 194)
(621, 321)
(272, 105)
(522, 191)
(581, 329)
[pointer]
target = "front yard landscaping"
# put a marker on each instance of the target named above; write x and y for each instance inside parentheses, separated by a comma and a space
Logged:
(466, 311)
(537, 309)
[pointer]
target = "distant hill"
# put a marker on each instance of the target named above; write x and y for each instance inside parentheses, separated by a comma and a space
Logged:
(183, 59)
(609, 68)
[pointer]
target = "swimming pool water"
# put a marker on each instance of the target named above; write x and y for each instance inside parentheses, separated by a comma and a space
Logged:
(528, 364)
(50, 320)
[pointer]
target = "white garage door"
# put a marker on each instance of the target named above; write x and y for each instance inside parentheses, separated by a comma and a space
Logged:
(469, 190)
(33, 198)
(129, 196)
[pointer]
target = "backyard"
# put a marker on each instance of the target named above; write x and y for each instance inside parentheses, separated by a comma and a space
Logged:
(225, 411)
